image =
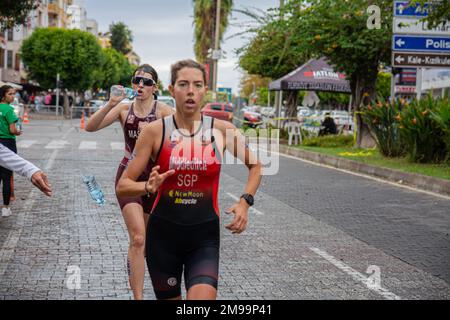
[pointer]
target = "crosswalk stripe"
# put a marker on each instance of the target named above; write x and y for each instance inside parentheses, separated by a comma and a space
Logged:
(56, 144)
(25, 143)
(61, 144)
(88, 145)
(117, 145)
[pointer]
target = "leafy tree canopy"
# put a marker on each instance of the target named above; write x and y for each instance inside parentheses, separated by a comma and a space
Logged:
(74, 54)
(121, 37)
(15, 12)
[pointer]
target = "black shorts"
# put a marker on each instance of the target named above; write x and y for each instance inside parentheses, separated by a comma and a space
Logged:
(170, 247)
(9, 143)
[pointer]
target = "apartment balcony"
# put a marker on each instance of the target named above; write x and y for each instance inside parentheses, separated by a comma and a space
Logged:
(9, 75)
(54, 8)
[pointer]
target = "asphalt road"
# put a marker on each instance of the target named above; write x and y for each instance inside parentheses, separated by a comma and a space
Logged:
(314, 232)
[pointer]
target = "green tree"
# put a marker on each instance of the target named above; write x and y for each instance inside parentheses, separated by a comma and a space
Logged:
(275, 50)
(74, 54)
(121, 37)
(333, 100)
(339, 30)
(255, 87)
(336, 29)
(439, 12)
(383, 85)
(15, 12)
(113, 69)
(204, 23)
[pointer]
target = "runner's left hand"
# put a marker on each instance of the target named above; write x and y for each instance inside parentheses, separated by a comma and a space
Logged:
(239, 223)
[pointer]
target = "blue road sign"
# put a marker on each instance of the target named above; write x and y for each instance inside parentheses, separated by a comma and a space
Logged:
(228, 91)
(421, 43)
(404, 9)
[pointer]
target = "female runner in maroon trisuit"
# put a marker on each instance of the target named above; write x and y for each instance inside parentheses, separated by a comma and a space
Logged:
(183, 231)
(133, 117)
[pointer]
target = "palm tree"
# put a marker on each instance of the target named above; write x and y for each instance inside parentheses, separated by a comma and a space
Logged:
(204, 21)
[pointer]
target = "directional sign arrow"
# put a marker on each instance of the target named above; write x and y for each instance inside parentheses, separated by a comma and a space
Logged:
(400, 42)
(407, 9)
(399, 59)
(413, 26)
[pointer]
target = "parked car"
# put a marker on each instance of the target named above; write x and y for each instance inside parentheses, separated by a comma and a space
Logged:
(170, 101)
(268, 112)
(303, 111)
(219, 110)
(256, 109)
(89, 108)
(96, 105)
(342, 118)
(252, 118)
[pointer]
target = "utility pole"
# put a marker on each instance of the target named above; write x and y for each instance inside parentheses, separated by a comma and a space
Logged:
(419, 80)
(279, 94)
(57, 93)
(216, 53)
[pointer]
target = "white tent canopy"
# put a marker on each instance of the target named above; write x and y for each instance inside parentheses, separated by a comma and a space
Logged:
(14, 85)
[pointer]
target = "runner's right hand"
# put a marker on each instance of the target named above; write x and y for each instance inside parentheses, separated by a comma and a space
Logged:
(155, 180)
(115, 100)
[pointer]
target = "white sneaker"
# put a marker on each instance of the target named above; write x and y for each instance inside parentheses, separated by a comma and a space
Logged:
(6, 212)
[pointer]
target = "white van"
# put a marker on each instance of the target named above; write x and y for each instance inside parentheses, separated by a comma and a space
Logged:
(170, 101)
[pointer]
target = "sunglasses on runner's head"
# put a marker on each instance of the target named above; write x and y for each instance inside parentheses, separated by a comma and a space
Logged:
(147, 81)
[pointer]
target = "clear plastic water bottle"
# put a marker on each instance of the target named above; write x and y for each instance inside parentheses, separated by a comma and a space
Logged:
(118, 90)
(94, 189)
(19, 125)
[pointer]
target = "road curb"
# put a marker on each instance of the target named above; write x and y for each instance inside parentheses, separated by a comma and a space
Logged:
(415, 180)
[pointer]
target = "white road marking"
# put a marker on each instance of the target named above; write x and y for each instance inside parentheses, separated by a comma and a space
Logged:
(88, 145)
(23, 144)
(56, 144)
(251, 209)
(356, 275)
(117, 146)
(51, 160)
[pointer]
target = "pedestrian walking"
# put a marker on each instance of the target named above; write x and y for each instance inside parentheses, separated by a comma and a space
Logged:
(8, 133)
(48, 98)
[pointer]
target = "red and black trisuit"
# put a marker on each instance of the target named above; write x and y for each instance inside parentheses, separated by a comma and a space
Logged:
(183, 229)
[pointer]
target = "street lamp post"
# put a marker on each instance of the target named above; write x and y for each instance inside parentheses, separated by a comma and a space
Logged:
(215, 55)
(57, 93)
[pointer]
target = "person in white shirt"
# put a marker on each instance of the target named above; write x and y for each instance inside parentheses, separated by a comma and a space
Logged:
(13, 162)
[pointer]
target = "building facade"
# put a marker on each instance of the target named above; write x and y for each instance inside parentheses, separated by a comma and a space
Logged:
(49, 13)
(77, 16)
(11, 67)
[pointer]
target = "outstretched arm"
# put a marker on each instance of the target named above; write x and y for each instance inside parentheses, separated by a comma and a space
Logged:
(13, 162)
(235, 143)
(145, 145)
(106, 115)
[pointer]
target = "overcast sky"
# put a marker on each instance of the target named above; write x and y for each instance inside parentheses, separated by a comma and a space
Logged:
(163, 32)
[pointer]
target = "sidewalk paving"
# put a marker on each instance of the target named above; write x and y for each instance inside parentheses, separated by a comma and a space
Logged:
(286, 253)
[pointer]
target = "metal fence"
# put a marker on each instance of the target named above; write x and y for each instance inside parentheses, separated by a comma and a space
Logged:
(75, 112)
